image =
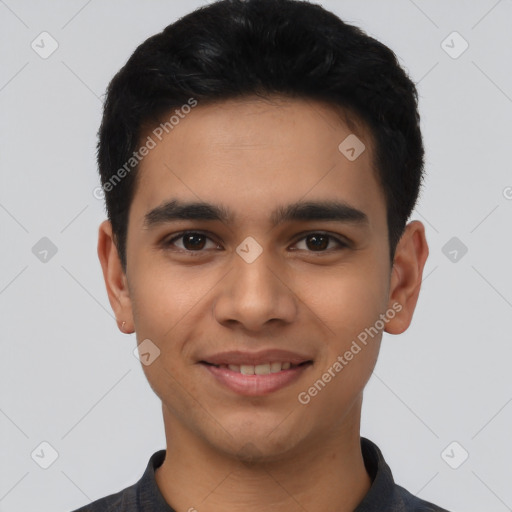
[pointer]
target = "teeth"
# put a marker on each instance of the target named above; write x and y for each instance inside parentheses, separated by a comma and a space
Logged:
(259, 369)
(247, 369)
(275, 367)
(262, 369)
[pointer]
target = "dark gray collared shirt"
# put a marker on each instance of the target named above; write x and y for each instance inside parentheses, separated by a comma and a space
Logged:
(384, 495)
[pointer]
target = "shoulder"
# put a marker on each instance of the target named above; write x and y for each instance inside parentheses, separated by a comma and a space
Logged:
(385, 493)
(414, 504)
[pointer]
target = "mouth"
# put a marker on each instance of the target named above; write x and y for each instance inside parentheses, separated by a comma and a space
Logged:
(256, 380)
(259, 369)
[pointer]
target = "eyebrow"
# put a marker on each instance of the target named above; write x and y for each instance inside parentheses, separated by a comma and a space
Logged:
(338, 211)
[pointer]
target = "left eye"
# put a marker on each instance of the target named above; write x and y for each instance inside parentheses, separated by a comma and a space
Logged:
(193, 241)
(320, 241)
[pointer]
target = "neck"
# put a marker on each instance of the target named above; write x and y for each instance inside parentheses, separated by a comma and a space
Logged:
(329, 475)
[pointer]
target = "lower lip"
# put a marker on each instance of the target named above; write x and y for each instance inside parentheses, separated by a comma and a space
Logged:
(256, 385)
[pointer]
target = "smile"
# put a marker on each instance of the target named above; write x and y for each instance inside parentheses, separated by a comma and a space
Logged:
(259, 369)
(256, 380)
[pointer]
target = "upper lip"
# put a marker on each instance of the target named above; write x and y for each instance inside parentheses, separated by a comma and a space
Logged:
(254, 358)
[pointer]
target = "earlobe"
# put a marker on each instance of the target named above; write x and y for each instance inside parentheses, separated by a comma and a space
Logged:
(115, 278)
(407, 273)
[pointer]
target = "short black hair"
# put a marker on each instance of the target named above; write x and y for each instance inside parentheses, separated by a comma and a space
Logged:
(240, 48)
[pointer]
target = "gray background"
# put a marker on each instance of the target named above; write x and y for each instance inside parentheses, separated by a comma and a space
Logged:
(69, 378)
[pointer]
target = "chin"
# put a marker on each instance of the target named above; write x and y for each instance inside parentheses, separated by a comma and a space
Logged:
(258, 441)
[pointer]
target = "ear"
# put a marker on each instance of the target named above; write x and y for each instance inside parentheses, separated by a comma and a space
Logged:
(406, 276)
(115, 278)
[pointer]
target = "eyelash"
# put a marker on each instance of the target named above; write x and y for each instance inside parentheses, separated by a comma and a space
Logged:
(167, 243)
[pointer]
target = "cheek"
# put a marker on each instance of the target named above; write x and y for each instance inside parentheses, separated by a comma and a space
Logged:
(349, 302)
(335, 391)
(346, 300)
(171, 308)
(162, 295)
(350, 306)
(166, 304)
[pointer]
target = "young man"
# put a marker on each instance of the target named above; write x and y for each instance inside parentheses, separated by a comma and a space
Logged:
(260, 160)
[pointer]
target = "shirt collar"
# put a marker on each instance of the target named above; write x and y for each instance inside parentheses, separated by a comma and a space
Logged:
(383, 496)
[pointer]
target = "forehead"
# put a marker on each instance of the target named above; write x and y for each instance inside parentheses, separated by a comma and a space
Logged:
(252, 154)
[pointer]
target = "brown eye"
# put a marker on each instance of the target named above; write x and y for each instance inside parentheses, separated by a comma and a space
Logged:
(191, 241)
(319, 242)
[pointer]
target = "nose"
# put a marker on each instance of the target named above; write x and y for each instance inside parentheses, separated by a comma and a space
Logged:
(255, 295)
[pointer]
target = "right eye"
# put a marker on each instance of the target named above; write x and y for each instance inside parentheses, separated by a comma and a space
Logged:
(192, 242)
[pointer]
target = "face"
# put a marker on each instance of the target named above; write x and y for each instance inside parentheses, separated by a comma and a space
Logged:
(259, 277)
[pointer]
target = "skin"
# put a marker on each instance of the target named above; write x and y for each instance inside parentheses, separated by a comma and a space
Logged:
(227, 451)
